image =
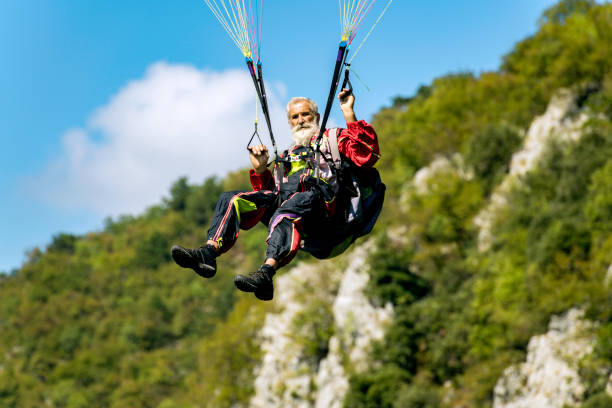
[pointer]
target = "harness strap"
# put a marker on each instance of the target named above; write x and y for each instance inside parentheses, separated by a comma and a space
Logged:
(332, 137)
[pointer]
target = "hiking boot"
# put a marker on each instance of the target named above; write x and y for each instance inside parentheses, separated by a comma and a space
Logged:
(201, 260)
(259, 282)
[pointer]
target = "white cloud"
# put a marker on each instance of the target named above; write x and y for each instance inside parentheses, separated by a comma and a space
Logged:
(176, 120)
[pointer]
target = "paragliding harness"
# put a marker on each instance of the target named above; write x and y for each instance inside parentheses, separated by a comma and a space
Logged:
(360, 200)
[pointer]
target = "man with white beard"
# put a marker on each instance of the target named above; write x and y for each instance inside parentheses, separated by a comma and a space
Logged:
(303, 203)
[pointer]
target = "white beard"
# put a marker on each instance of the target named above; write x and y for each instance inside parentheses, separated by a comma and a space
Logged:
(302, 136)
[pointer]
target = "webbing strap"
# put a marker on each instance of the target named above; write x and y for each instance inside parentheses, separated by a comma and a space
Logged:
(342, 52)
(332, 137)
(340, 58)
(261, 94)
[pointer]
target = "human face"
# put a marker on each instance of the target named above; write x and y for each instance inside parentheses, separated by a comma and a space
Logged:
(300, 114)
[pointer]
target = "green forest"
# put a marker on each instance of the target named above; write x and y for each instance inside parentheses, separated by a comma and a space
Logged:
(106, 319)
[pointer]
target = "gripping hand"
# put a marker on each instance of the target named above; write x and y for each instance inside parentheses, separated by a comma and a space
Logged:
(259, 158)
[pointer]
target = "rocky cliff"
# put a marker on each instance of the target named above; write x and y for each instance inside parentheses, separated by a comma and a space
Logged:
(322, 330)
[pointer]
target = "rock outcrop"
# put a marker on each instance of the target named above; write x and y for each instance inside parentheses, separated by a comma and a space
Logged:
(287, 376)
(549, 377)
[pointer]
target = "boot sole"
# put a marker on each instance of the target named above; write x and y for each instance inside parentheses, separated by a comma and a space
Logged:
(261, 294)
(264, 294)
(243, 285)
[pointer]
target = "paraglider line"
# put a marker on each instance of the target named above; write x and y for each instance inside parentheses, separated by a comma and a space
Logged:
(371, 29)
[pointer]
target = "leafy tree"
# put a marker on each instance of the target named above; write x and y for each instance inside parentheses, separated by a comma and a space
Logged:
(201, 203)
(376, 389)
(489, 153)
(313, 327)
(62, 243)
(598, 209)
(179, 192)
(565, 8)
(152, 251)
(391, 279)
(601, 400)
(417, 396)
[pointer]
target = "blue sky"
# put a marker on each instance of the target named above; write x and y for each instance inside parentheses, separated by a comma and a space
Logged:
(105, 103)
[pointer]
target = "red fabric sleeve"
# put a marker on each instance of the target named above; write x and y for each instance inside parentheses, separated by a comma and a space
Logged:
(359, 143)
(263, 181)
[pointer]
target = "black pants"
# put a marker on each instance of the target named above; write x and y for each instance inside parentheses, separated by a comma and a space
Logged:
(299, 213)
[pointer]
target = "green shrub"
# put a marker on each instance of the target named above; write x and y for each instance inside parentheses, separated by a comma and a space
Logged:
(152, 251)
(201, 202)
(390, 277)
(63, 243)
(601, 400)
(179, 193)
(489, 153)
(312, 328)
(417, 396)
(598, 209)
(375, 389)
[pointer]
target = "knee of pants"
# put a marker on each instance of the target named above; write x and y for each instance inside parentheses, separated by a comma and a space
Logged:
(227, 196)
(224, 199)
(283, 241)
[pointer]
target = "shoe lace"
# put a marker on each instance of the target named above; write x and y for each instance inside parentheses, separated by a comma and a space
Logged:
(259, 274)
(204, 254)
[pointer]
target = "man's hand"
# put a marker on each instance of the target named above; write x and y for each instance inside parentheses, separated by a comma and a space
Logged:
(259, 158)
(347, 101)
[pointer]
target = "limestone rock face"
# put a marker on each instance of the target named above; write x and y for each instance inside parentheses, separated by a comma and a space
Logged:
(423, 176)
(358, 323)
(562, 121)
(286, 376)
(549, 377)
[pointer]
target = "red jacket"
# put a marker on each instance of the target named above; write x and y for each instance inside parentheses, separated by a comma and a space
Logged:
(358, 142)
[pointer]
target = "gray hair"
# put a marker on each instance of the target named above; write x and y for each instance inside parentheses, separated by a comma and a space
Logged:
(313, 105)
